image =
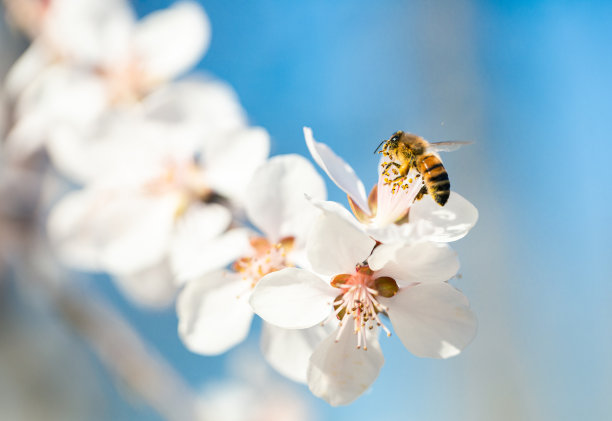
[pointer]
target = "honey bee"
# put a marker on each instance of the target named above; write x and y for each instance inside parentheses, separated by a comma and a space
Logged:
(407, 151)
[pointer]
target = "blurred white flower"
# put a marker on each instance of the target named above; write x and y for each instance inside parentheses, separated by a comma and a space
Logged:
(213, 310)
(106, 37)
(86, 33)
(60, 95)
(101, 59)
(157, 184)
(252, 393)
(356, 281)
(189, 112)
(385, 214)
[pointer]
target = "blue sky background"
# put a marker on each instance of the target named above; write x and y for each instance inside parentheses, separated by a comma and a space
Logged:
(531, 83)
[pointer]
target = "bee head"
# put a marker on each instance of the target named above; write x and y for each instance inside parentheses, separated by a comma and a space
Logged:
(396, 137)
(391, 142)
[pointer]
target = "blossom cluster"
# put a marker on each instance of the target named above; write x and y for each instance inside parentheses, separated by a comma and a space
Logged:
(170, 191)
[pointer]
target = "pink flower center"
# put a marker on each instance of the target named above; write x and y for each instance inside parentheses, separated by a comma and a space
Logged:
(185, 178)
(127, 83)
(265, 258)
(358, 300)
(390, 200)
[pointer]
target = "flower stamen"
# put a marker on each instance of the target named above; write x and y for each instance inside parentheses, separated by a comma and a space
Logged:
(265, 258)
(358, 301)
(184, 178)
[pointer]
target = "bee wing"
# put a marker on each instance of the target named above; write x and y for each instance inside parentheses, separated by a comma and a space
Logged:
(447, 146)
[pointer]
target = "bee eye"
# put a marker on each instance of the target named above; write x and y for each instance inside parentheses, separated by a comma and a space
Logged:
(394, 139)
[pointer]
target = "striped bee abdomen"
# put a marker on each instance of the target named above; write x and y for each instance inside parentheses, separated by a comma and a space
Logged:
(435, 177)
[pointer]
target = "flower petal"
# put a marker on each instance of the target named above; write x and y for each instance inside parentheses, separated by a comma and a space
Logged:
(170, 41)
(119, 231)
(292, 298)
(151, 287)
(339, 372)
(90, 157)
(392, 204)
(61, 95)
(335, 208)
(276, 197)
(335, 246)
(206, 106)
(138, 230)
(403, 233)
(90, 32)
(214, 313)
(198, 247)
(341, 173)
(432, 320)
(289, 350)
(448, 223)
(72, 231)
(29, 65)
(25, 138)
(417, 262)
(121, 146)
(232, 159)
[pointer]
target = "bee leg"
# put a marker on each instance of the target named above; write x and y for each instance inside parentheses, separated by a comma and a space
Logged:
(389, 165)
(403, 171)
(388, 173)
(421, 193)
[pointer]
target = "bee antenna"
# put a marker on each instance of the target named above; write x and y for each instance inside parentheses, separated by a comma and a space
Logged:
(378, 147)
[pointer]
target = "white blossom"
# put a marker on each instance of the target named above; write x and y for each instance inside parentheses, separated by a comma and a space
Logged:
(389, 214)
(156, 185)
(360, 283)
(189, 112)
(213, 309)
(90, 60)
(107, 38)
